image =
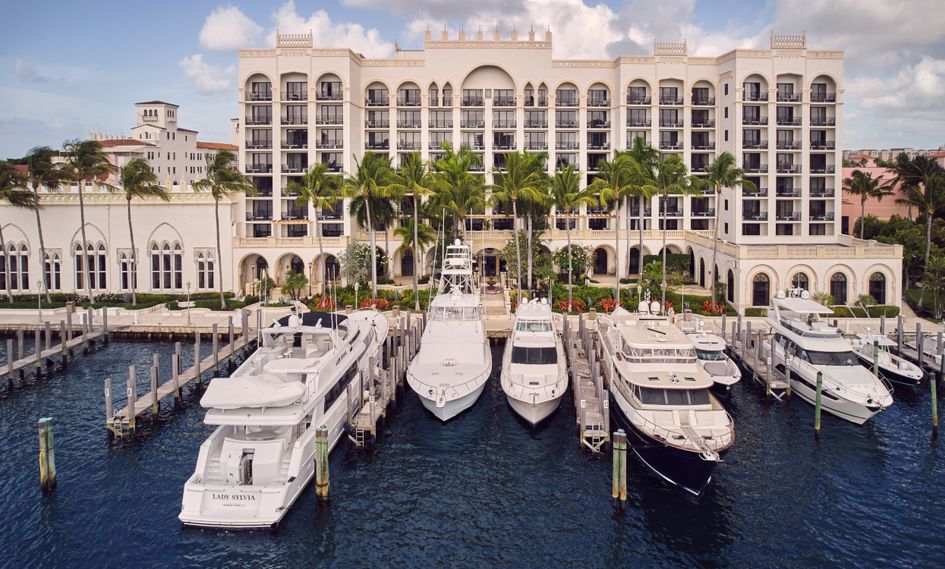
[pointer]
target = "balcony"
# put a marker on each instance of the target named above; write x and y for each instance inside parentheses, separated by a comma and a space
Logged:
(638, 122)
(533, 102)
(752, 97)
(331, 232)
(326, 96)
(377, 102)
(670, 123)
(823, 97)
(598, 124)
(703, 102)
(293, 215)
(566, 124)
(789, 121)
(755, 168)
(260, 96)
(503, 123)
(259, 215)
(823, 145)
(755, 216)
(376, 124)
(566, 101)
(441, 124)
(408, 102)
(408, 124)
(598, 145)
(408, 145)
(703, 213)
(822, 169)
(565, 145)
(329, 119)
(788, 216)
(826, 216)
(560, 166)
(472, 101)
(703, 124)
(789, 168)
(789, 97)
(698, 167)
(755, 121)
(293, 168)
(472, 124)
(294, 121)
(536, 146)
(433, 145)
(295, 144)
(536, 124)
(671, 101)
(755, 145)
(703, 146)
(788, 192)
(755, 193)
(476, 145)
(258, 121)
(377, 145)
(477, 167)
(632, 100)
(821, 193)
(333, 166)
(259, 168)
(506, 145)
(259, 145)
(295, 96)
(503, 101)
(632, 139)
(595, 102)
(332, 144)
(823, 122)
(789, 145)
(670, 145)
(672, 212)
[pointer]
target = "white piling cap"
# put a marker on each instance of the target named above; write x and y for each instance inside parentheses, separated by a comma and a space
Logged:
(655, 307)
(643, 306)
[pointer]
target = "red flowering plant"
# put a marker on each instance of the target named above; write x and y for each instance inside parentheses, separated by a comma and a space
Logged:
(710, 308)
(325, 303)
(380, 303)
(608, 304)
(577, 305)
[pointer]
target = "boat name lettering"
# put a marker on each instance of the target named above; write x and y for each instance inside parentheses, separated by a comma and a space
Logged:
(237, 497)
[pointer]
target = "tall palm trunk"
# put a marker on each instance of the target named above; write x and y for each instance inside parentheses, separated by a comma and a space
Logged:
(42, 248)
(663, 284)
(133, 277)
(6, 265)
(626, 206)
(321, 256)
(416, 256)
(862, 214)
(715, 243)
(85, 243)
(216, 215)
(387, 274)
(518, 252)
(528, 233)
(928, 247)
(570, 269)
(640, 250)
(617, 250)
(370, 228)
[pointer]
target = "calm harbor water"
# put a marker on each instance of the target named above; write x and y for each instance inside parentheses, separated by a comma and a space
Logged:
(482, 490)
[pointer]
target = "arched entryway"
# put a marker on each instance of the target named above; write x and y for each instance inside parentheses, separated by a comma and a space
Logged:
(634, 261)
(760, 290)
(289, 263)
(702, 272)
(490, 261)
(730, 286)
(800, 280)
(692, 265)
(600, 261)
(838, 288)
(251, 268)
(407, 263)
(877, 287)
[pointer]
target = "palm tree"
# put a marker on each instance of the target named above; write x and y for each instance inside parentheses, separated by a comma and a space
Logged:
(414, 178)
(568, 197)
(863, 184)
(615, 183)
(923, 183)
(223, 179)
(723, 173)
(11, 184)
(371, 178)
(85, 162)
(519, 182)
(41, 172)
(320, 189)
(457, 190)
(138, 181)
(415, 237)
(671, 177)
(646, 157)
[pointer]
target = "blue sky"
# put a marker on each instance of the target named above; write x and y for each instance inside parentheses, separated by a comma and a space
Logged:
(67, 68)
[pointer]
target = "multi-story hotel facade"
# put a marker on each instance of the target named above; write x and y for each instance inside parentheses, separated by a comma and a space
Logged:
(777, 110)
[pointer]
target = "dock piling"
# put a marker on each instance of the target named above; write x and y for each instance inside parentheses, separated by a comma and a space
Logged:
(47, 330)
(876, 358)
(20, 345)
(63, 335)
(68, 325)
(723, 327)
(321, 463)
(229, 330)
(109, 409)
(882, 324)
(155, 402)
(899, 334)
(132, 397)
(620, 468)
(215, 337)
(919, 344)
(47, 455)
(933, 388)
(10, 358)
(175, 370)
(38, 355)
(197, 370)
(820, 388)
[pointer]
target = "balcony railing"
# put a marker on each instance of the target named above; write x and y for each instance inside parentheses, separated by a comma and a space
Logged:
(703, 124)
(408, 145)
(823, 145)
(755, 144)
(703, 146)
(823, 122)
(433, 145)
(677, 123)
(703, 101)
(536, 102)
(472, 124)
(441, 124)
(293, 215)
(759, 121)
(631, 100)
(789, 121)
(789, 145)
(258, 216)
(821, 193)
(789, 216)
(503, 123)
(259, 145)
(476, 145)
(698, 167)
(376, 124)
(562, 164)
(703, 213)
(293, 168)
(632, 139)
(294, 121)
(749, 96)
(323, 96)
(503, 101)
(789, 97)
(377, 145)
(755, 216)
(638, 122)
(598, 145)
(329, 119)
(260, 96)
(756, 193)
(536, 124)
(598, 124)
(295, 144)
(259, 168)
(789, 168)
(673, 101)
(788, 192)
(477, 168)
(507, 145)
(821, 216)
(755, 168)
(822, 170)
(670, 145)
(823, 97)
(566, 145)
(258, 121)
(566, 101)
(333, 166)
(377, 101)
(408, 124)
(598, 102)
(536, 146)
(330, 144)
(472, 101)
(565, 124)
(294, 96)
(408, 102)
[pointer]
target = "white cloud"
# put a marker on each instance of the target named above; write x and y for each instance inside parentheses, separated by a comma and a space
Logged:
(26, 71)
(228, 29)
(207, 78)
(332, 34)
(436, 9)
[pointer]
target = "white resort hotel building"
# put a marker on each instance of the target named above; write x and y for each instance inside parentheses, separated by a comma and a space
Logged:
(777, 110)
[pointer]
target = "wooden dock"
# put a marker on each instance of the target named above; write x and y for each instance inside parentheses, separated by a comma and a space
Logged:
(754, 351)
(123, 421)
(46, 350)
(590, 381)
(385, 379)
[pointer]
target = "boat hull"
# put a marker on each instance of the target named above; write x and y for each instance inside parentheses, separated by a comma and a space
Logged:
(534, 413)
(682, 468)
(453, 407)
(722, 390)
(830, 403)
(891, 375)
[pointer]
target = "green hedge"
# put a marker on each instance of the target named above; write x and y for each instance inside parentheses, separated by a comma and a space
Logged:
(871, 311)
(756, 311)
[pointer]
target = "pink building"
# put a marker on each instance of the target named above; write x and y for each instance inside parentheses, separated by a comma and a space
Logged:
(883, 209)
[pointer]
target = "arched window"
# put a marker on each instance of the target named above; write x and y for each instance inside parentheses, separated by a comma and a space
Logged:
(178, 267)
(702, 272)
(79, 267)
(127, 272)
(731, 287)
(800, 280)
(760, 290)
(19, 268)
(52, 265)
(407, 263)
(101, 268)
(205, 270)
(155, 266)
(838, 288)
(24, 268)
(878, 287)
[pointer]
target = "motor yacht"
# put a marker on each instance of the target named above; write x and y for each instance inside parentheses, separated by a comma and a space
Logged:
(450, 370)
(661, 395)
(805, 344)
(306, 373)
(534, 371)
(710, 351)
(892, 368)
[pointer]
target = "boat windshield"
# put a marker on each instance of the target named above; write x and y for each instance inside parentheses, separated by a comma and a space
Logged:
(659, 355)
(455, 313)
(710, 355)
(828, 358)
(533, 326)
(534, 356)
(654, 396)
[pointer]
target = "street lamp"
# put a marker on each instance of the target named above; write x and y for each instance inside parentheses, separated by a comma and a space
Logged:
(188, 303)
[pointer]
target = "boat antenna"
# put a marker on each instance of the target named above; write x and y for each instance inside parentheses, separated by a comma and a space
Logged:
(436, 252)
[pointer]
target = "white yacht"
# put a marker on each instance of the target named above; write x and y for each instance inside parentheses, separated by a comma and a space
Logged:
(811, 345)
(660, 394)
(262, 453)
(450, 370)
(534, 370)
(710, 351)
(893, 368)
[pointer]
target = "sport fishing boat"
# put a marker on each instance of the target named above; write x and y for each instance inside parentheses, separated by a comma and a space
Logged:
(450, 370)
(891, 367)
(660, 394)
(262, 452)
(534, 370)
(805, 344)
(710, 351)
